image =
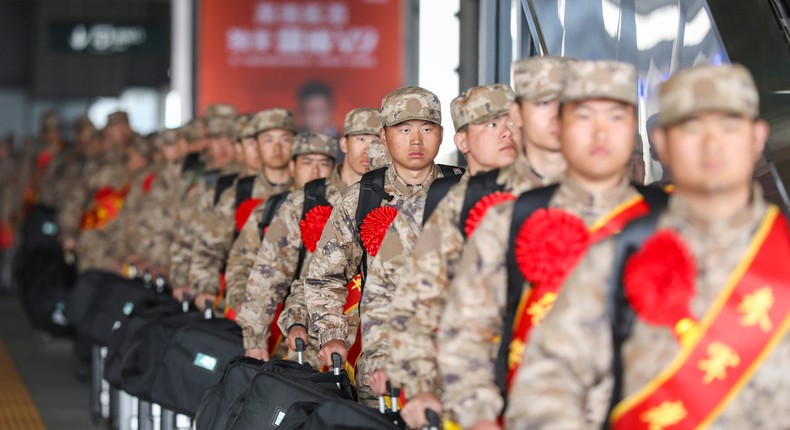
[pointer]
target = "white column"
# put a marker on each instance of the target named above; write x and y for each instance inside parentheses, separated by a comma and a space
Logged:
(181, 61)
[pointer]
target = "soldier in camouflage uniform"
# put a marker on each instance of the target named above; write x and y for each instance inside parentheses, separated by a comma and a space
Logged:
(412, 133)
(198, 190)
(597, 136)
(480, 117)
(215, 231)
(274, 271)
(698, 374)
(313, 158)
(420, 298)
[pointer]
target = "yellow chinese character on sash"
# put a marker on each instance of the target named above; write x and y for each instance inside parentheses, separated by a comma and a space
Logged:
(540, 308)
(516, 352)
(720, 357)
(357, 280)
(664, 415)
(754, 309)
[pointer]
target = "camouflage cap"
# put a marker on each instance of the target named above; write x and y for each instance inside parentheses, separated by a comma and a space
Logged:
(613, 80)
(193, 130)
(166, 137)
(220, 109)
(82, 122)
(409, 103)
(378, 155)
(362, 121)
(481, 103)
(273, 118)
(50, 120)
(118, 116)
(726, 88)
(314, 143)
(539, 79)
(240, 125)
(221, 126)
(144, 146)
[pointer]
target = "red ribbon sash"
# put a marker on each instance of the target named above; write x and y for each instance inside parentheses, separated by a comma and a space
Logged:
(354, 288)
(539, 299)
(748, 319)
(106, 207)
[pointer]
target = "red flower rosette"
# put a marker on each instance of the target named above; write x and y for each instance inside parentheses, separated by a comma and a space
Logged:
(549, 245)
(375, 226)
(245, 210)
(148, 182)
(659, 281)
(313, 225)
(480, 209)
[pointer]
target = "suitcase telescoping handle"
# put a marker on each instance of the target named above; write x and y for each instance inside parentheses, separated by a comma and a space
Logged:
(207, 313)
(434, 421)
(160, 284)
(337, 362)
(184, 303)
(394, 396)
(300, 350)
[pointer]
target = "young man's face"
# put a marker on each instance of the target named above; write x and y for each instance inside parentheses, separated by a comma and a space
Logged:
(317, 113)
(134, 161)
(248, 154)
(413, 144)
(711, 152)
(170, 152)
(309, 167)
(598, 137)
(490, 143)
(220, 151)
(356, 149)
(275, 147)
(538, 123)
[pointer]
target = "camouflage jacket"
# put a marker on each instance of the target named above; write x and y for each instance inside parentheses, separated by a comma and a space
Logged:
(274, 271)
(384, 274)
(473, 319)
(214, 236)
(565, 380)
(420, 298)
(338, 257)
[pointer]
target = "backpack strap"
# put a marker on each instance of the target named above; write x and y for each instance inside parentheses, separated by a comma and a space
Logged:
(192, 162)
(244, 189)
(223, 183)
(438, 189)
(314, 195)
(480, 186)
(447, 170)
(526, 204)
(210, 177)
(621, 316)
(371, 194)
(270, 209)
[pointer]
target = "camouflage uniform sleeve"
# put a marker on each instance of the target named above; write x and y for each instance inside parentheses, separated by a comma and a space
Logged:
(70, 213)
(295, 308)
(472, 324)
(564, 380)
(335, 263)
(241, 259)
(419, 301)
(380, 285)
(213, 237)
(272, 273)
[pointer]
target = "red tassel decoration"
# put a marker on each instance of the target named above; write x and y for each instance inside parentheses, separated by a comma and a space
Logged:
(313, 225)
(480, 209)
(375, 226)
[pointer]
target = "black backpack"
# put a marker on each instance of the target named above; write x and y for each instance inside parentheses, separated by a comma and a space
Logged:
(339, 415)
(270, 209)
(527, 204)
(223, 183)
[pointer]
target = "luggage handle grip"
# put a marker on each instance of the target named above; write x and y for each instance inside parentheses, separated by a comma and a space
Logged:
(184, 302)
(300, 350)
(207, 313)
(337, 361)
(394, 395)
(434, 421)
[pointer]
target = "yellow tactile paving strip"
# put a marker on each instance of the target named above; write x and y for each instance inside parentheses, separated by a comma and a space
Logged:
(17, 411)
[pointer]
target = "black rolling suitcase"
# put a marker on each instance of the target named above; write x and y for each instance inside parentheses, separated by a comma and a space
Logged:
(280, 384)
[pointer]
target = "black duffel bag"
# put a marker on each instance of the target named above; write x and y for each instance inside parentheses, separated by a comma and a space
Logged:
(192, 362)
(213, 409)
(339, 415)
(124, 343)
(280, 384)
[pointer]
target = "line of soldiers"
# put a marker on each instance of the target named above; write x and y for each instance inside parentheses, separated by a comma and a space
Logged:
(539, 288)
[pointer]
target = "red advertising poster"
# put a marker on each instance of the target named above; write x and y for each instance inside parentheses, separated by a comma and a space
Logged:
(258, 54)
